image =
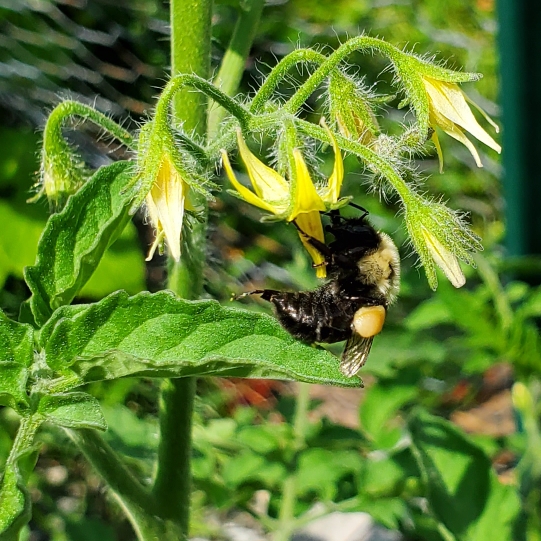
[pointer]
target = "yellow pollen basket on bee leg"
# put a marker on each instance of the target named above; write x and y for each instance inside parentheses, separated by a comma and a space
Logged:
(368, 321)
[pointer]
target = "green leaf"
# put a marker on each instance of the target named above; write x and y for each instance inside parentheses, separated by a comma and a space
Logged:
(161, 335)
(13, 378)
(381, 404)
(72, 410)
(462, 489)
(319, 471)
(16, 354)
(16, 341)
(75, 239)
(15, 506)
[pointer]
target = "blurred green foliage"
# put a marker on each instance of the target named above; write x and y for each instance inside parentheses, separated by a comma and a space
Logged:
(403, 459)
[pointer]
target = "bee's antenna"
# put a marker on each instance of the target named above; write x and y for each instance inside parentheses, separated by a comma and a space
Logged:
(358, 207)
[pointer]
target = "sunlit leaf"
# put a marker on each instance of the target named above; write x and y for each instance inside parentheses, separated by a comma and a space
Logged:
(161, 335)
(462, 489)
(75, 239)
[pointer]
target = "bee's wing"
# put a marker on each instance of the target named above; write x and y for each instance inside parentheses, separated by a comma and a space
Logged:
(355, 354)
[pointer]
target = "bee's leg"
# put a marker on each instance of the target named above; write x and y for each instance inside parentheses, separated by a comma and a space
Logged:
(317, 244)
(266, 294)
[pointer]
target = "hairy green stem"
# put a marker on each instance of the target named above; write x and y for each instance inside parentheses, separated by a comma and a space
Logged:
(25, 436)
(316, 79)
(178, 86)
(232, 67)
(68, 109)
(190, 56)
(279, 73)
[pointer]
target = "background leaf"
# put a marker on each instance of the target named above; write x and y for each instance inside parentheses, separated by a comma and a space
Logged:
(75, 239)
(463, 491)
(161, 335)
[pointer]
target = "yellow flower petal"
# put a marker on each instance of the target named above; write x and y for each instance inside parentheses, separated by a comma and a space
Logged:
(305, 197)
(165, 204)
(246, 194)
(448, 100)
(436, 142)
(267, 183)
(332, 191)
(310, 224)
(445, 260)
(456, 133)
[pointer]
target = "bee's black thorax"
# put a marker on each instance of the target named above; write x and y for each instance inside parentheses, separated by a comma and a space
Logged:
(326, 313)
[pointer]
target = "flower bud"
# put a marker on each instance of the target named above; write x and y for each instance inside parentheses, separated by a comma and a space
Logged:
(438, 101)
(350, 108)
(441, 238)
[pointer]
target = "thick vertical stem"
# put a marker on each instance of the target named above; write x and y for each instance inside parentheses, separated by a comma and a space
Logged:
(190, 53)
(228, 77)
(286, 517)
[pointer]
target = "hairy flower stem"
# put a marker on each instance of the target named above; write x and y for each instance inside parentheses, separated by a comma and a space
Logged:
(69, 109)
(280, 72)
(318, 77)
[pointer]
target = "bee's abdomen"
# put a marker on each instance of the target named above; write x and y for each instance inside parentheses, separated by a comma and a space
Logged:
(313, 316)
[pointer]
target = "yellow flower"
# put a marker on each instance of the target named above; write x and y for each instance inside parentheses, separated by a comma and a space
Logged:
(165, 204)
(299, 201)
(449, 110)
(444, 258)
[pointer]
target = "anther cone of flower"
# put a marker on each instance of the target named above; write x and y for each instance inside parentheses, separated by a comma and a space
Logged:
(439, 102)
(441, 238)
(296, 200)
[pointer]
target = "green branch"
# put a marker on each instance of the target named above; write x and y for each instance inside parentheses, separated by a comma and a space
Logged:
(67, 109)
(182, 81)
(279, 73)
(318, 77)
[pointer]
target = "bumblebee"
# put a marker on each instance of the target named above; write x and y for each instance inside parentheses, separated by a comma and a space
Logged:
(364, 278)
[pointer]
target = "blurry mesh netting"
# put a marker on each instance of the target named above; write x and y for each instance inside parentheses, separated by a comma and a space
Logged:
(107, 53)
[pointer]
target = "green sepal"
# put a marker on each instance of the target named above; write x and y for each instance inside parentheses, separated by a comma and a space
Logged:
(341, 203)
(72, 410)
(75, 239)
(161, 335)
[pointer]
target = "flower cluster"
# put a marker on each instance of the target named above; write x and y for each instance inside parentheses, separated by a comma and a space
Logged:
(170, 171)
(298, 200)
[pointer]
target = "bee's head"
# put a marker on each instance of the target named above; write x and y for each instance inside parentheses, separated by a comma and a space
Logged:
(352, 235)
